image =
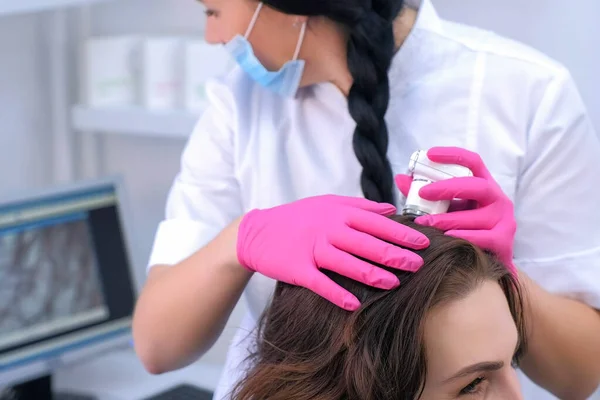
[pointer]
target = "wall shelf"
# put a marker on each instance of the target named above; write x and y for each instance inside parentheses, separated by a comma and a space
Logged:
(11, 7)
(134, 121)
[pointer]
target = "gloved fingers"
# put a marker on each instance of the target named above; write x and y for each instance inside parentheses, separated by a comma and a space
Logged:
(367, 205)
(322, 285)
(370, 248)
(508, 224)
(467, 188)
(460, 156)
(387, 229)
(477, 219)
(403, 183)
(347, 265)
(461, 205)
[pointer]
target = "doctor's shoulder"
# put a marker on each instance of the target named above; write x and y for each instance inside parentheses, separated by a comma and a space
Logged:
(526, 101)
(517, 80)
(497, 46)
(537, 88)
(233, 101)
(508, 64)
(228, 92)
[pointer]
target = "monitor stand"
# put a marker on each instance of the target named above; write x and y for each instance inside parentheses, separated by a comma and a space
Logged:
(41, 389)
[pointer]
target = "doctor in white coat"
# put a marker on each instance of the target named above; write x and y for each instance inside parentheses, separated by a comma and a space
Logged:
(291, 170)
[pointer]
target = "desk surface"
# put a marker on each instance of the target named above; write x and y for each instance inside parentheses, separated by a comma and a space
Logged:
(121, 376)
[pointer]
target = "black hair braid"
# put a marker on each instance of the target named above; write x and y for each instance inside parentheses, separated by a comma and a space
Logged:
(370, 51)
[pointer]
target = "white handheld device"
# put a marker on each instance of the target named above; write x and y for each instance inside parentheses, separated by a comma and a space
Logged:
(424, 171)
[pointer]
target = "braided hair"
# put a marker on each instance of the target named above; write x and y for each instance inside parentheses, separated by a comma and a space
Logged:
(371, 48)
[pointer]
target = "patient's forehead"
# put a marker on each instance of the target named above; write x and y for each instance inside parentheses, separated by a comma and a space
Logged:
(474, 329)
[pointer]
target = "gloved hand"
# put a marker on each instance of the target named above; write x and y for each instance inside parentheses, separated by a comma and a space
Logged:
(489, 224)
(292, 242)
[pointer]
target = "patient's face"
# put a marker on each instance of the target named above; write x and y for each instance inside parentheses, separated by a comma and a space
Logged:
(470, 344)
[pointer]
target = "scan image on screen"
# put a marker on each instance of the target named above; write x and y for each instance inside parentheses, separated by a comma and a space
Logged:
(49, 281)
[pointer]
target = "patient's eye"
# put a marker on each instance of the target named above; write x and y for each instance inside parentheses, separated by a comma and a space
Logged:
(474, 387)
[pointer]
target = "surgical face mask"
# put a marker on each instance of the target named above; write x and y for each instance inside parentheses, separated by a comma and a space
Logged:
(286, 81)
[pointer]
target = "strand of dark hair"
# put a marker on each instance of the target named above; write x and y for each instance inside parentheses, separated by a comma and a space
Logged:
(371, 48)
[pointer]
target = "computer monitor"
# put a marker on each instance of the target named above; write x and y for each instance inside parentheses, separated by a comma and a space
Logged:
(66, 281)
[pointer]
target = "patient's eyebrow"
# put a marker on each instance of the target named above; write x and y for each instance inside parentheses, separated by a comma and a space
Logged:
(487, 366)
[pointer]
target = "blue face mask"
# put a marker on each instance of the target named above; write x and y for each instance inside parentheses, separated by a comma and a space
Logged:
(286, 81)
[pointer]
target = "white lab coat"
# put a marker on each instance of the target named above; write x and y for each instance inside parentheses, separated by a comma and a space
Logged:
(450, 85)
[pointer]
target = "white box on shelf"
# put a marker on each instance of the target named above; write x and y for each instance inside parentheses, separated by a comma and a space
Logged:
(202, 62)
(163, 64)
(134, 121)
(112, 67)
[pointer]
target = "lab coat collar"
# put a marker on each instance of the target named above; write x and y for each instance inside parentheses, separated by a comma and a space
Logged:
(415, 55)
(427, 17)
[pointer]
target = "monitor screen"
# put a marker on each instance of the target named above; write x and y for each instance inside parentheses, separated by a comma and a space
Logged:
(65, 276)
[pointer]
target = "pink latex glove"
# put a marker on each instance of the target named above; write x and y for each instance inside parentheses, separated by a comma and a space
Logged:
(292, 242)
(489, 223)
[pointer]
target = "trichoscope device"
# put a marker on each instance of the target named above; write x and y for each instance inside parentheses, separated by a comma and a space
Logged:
(424, 171)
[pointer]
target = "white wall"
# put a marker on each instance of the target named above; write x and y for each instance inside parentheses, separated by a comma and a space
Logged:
(23, 115)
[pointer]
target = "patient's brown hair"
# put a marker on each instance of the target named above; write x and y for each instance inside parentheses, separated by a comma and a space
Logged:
(310, 349)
